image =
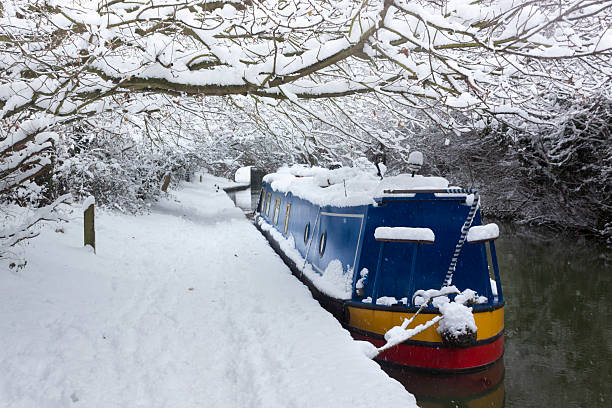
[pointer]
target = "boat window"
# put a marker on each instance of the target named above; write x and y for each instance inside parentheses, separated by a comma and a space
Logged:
(268, 204)
(287, 218)
(276, 211)
(306, 233)
(322, 242)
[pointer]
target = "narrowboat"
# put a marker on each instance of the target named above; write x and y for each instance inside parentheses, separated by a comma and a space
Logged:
(389, 254)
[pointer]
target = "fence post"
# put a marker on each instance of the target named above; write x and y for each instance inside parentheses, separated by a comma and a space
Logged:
(166, 182)
(89, 231)
(200, 178)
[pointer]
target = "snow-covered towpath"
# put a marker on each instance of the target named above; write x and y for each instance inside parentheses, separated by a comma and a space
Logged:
(185, 307)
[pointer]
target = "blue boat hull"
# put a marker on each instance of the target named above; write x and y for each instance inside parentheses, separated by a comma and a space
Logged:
(323, 234)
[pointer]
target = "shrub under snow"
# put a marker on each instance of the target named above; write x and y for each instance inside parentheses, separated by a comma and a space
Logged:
(119, 172)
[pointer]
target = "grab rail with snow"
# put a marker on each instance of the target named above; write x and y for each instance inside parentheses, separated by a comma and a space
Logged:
(416, 236)
(483, 234)
(423, 191)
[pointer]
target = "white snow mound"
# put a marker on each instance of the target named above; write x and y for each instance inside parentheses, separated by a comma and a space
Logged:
(187, 307)
(405, 233)
(483, 232)
(346, 186)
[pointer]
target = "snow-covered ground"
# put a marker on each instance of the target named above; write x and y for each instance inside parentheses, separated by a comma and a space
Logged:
(185, 307)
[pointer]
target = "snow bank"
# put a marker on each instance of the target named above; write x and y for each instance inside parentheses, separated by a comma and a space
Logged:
(404, 233)
(337, 278)
(185, 307)
(346, 186)
(483, 232)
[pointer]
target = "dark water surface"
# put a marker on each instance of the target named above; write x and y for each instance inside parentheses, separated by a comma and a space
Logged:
(558, 329)
(245, 199)
(558, 321)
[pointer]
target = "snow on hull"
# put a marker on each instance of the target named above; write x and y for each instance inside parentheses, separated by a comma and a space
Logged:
(333, 282)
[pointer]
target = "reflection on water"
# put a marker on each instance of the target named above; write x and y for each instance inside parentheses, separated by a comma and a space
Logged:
(245, 199)
(558, 326)
(558, 336)
(242, 199)
(484, 388)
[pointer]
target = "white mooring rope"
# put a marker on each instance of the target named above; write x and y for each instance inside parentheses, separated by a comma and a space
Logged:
(448, 280)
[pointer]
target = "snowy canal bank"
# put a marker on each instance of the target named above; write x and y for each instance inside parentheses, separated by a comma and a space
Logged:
(185, 307)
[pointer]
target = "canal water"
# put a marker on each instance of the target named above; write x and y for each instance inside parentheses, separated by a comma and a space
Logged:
(558, 328)
(558, 321)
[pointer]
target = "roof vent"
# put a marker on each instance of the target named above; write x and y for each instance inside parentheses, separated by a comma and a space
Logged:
(415, 161)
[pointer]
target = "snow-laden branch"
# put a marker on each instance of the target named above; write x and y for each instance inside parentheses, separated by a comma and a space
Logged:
(59, 56)
(10, 235)
(62, 61)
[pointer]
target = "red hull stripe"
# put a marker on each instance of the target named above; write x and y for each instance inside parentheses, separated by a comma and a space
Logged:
(440, 358)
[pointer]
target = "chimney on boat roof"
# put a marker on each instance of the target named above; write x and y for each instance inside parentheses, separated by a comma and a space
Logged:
(415, 161)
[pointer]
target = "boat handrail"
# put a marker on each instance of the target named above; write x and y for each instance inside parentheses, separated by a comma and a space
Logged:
(417, 235)
(425, 191)
(482, 233)
(414, 241)
(480, 241)
(429, 191)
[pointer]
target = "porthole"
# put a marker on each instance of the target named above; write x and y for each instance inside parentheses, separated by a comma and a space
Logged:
(306, 233)
(322, 243)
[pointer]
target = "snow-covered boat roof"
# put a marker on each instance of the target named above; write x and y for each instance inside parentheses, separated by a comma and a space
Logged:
(346, 186)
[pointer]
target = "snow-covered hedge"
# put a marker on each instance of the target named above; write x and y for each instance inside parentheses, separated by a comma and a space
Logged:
(119, 172)
(556, 175)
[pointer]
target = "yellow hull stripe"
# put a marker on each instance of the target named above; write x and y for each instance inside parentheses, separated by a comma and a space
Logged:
(380, 321)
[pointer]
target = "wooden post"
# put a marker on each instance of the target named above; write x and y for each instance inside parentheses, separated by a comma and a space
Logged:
(89, 231)
(200, 178)
(166, 182)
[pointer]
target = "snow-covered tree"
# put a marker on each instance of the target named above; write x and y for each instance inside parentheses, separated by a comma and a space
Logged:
(62, 61)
